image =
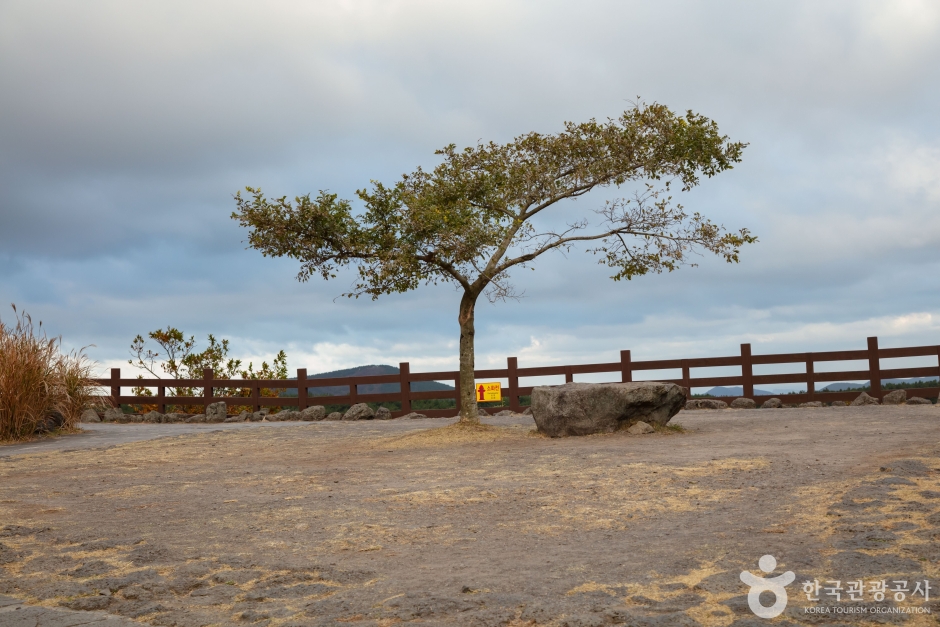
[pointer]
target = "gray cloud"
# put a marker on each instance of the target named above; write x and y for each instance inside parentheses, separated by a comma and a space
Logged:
(126, 127)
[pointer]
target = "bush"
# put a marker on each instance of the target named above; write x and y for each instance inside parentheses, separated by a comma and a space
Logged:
(37, 379)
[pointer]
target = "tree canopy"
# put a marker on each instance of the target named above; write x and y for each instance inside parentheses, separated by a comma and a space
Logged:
(471, 220)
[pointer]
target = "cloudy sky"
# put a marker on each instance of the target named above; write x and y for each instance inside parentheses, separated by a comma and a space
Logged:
(126, 127)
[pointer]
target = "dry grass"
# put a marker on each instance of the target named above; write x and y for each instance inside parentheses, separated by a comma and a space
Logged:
(36, 379)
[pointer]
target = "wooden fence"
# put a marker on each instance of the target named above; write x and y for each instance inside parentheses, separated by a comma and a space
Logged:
(624, 370)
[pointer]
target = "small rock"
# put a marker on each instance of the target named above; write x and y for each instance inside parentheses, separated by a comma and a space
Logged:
(864, 399)
(383, 413)
(772, 403)
(196, 418)
(257, 416)
(640, 428)
(334, 416)
(359, 411)
(153, 416)
(527, 412)
(113, 414)
(90, 415)
(317, 412)
(506, 412)
(811, 404)
(742, 403)
(53, 420)
(916, 400)
(838, 404)
(133, 418)
(175, 417)
(239, 418)
(414, 415)
(482, 412)
(216, 412)
(895, 397)
(705, 403)
(285, 415)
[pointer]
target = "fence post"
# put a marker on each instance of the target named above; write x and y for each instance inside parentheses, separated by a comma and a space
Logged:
(569, 377)
(512, 364)
(874, 367)
(810, 377)
(115, 387)
(206, 388)
(353, 393)
(404, 386)
(626, 367)
(686, 378)
(161, 399)
(255, 395)
(301, 389)
(747, 372)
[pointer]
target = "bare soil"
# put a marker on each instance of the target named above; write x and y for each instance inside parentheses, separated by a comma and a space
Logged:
(412, 522)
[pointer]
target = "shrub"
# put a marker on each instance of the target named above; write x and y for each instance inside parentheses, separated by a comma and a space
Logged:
(36, 379)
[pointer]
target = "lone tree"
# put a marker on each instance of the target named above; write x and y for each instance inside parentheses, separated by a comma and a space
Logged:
(471, 220)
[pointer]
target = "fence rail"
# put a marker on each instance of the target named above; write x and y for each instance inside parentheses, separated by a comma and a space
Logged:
(625, 370)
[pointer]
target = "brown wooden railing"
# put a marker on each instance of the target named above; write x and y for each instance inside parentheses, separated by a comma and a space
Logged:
(624, 371)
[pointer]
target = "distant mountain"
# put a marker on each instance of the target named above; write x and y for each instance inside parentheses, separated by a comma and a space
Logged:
(847, 386)
(736, 392)
(372, 388)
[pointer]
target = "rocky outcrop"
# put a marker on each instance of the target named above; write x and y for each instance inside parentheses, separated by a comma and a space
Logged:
(705, 403)
(383, 413)
(641, 428)
(586, 408)
(743, 403)
(359, 411)
(916, 400)
(315, 413)
(895, 397)
(772, 403)
(216, 412)
(90, 415)
(864, 399)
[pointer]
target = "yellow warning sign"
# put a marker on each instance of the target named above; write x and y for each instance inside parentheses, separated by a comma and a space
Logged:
(488, 392)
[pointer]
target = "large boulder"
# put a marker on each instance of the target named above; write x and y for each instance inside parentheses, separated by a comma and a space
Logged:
(895, 397)
(317, 412)
(916, 400)
(90, 415)
(864, 399)
(772, 403)
(383, 413)
(586, 408)
(216, 412)
(113, 414)
(743, 403)
(705, 403)
(359, 411)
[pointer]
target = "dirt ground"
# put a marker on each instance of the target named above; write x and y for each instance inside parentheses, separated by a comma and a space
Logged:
(404, 522)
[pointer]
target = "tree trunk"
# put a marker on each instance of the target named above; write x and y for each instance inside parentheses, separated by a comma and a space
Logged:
(468, 395)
